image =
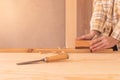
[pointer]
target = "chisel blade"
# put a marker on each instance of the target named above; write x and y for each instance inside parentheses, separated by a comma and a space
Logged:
(29, 62)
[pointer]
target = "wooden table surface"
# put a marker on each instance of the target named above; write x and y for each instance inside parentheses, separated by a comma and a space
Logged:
(86, 66)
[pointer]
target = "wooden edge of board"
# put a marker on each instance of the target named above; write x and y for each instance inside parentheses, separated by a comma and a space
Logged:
(54, 50)
(82, 43)
(16, 50)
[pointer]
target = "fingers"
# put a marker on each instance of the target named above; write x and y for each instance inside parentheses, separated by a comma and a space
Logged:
(96, 41)
(89, 36)
(97, 44)
(82, 37)
(85, 37)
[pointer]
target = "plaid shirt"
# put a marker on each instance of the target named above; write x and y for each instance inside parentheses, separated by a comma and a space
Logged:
(106, 17)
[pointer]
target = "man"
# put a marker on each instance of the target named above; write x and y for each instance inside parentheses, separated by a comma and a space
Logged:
(105, 23)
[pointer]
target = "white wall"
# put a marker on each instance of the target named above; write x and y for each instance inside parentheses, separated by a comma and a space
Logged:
(32, 23)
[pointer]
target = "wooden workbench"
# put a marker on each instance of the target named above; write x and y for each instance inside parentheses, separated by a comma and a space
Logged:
(86, 66)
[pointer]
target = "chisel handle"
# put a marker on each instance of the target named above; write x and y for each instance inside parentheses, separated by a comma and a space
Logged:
(57, 57)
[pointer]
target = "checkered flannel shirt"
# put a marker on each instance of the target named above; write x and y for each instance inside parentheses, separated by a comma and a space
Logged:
(106, 17)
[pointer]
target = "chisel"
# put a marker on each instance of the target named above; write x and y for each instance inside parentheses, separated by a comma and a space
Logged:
(57, 57)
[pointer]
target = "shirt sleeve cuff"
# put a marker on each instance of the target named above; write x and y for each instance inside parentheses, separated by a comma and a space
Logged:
(116, 35)
(97, 29)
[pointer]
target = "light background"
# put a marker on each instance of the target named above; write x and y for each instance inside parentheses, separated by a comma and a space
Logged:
(43, 23)
(32, 23)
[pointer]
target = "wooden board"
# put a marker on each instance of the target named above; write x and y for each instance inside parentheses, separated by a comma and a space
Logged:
(82, 43)
(71, 22)
(52, 50)
(77, 67)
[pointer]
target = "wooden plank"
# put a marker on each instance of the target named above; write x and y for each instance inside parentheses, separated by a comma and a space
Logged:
(17, 50)
(71, 22)
(105, 51)
(53, 50)
(67, 50)
(72, 50)
(82, 43)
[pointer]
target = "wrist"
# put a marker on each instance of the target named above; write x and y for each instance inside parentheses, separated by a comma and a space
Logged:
(115, 40)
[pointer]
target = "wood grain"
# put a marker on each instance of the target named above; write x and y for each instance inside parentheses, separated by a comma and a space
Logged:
(42, 50)
(82, 43)
(52, 50)
(78, 67)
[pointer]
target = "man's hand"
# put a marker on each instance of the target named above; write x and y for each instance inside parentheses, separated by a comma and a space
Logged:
(88, 36)
(103, 43)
